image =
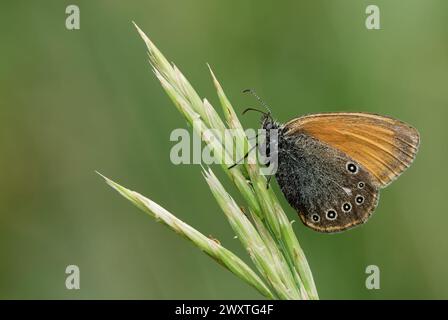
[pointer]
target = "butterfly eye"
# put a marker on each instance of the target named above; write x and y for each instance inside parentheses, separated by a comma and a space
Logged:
(351, 167)
(331, 214)
(359, 199)
(315, 217)
(361, 185)
(347, 207)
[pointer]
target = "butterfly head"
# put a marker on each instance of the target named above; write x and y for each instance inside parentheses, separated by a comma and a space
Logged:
(268, 123)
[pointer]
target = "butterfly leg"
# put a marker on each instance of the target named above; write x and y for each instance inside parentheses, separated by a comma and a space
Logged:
(268, 180)
(242, 159)
(254, 137)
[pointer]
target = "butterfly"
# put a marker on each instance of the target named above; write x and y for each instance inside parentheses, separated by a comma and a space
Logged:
(332, 166)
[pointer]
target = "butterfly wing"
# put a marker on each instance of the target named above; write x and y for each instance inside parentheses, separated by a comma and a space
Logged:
(330, 191)
(385, 147)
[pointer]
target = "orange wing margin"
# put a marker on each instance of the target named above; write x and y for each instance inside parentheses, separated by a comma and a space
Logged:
(382, 145)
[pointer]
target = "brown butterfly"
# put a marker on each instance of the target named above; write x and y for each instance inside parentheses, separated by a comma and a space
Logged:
(331, 166)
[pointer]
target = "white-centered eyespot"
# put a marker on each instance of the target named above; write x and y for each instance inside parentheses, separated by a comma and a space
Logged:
(347, 207)
(351, 167)
(361, 185)
(331, 214)
(315, 217)
(359, 199)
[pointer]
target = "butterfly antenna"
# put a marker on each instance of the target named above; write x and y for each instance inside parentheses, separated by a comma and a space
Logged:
(252, 92)
(253, 109)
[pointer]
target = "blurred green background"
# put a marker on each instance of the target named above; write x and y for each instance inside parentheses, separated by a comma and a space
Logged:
(72, 102)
